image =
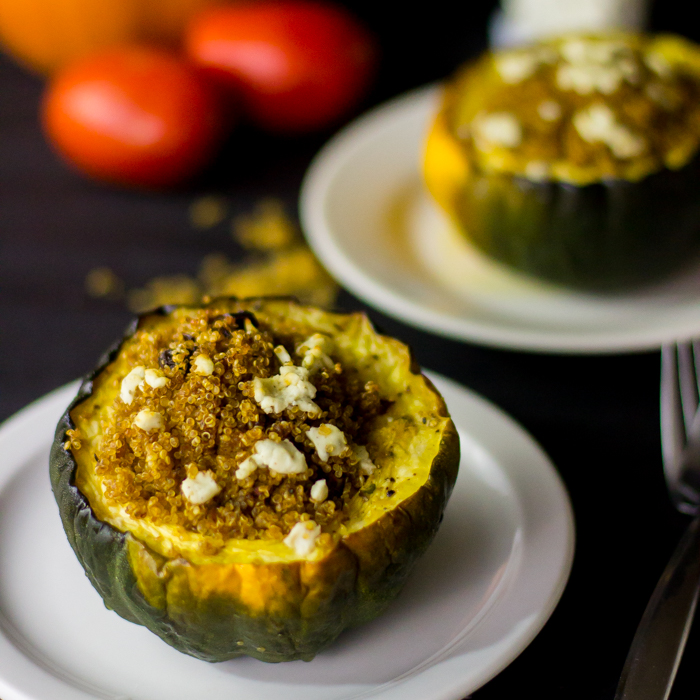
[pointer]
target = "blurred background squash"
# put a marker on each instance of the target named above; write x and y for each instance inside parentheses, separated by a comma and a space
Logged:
(46, 34)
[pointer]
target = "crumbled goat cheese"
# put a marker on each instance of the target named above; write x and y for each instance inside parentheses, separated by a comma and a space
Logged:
(587, 79)
(328, 440)
(597, 123)
(200, 489)
(549, 110)
(595, 66)
(291, 387)
(149, 420)
(203, 365)
(516, 67)
(155, 378)
(537, 170)
(302, 537)
(497, 129)
(315, 351)
(247, 467)
(281, 457)
(586, 51)
(367, 466)
(282, 354)
(136, 379)
(130, 383)
(319, 491)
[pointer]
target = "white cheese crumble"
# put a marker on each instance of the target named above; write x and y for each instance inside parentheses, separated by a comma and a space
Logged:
(587, 79)
(282, 354)
(319, 491)
(537, 170)
(586, 51)
(516, 67)
(200, 489)
(367, 466)
(328, 440)
(302, 537)
(136, 378)
(247, 467)
(203, 365)
(549, 110)
(149, 420)
(597, 123)
(595, 66)
(281, 457)
(315, 352)
(130, 383)
(291, 387)
(155, 378)
(497, 129)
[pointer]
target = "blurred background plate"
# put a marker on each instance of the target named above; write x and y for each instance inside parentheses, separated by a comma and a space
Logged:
(370, 221)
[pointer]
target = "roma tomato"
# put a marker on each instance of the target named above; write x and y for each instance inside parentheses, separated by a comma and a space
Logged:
(297, 65)
(135, 116)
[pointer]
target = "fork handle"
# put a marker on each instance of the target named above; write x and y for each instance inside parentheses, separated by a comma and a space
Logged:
(658, 644)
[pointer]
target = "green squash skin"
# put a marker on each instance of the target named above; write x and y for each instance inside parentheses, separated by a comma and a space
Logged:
(371, 564)
(605, 236)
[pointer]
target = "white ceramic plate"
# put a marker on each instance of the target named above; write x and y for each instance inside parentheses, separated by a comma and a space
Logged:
(477, 598)
(371, 223)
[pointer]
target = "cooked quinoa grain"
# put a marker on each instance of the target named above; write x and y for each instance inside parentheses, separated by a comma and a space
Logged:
(580, 108)
(190, 440)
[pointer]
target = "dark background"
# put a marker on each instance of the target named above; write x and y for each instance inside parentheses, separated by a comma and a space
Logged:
(597, 417)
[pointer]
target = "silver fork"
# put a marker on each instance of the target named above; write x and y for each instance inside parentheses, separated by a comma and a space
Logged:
(658, 644)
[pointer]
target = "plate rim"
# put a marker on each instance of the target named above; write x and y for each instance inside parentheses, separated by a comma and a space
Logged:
(25, 419)
(315, 187)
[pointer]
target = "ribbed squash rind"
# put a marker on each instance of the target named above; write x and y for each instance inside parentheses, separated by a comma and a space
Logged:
(302, 606)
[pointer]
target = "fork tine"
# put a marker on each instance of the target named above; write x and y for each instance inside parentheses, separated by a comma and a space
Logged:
(672, 422)
(696, 359)
(693, 431)
(688, 383)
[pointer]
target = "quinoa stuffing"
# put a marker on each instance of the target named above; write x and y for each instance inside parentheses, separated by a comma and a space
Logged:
(580, 108)
(234, 430)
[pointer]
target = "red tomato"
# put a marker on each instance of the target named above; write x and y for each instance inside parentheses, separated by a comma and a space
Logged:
(136, 116)
(298, 65)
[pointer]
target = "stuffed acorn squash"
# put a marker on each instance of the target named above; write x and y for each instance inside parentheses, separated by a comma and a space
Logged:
(252, 477)
(575, 160)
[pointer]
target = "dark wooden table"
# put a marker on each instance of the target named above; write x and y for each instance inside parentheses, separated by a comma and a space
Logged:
(596, 416)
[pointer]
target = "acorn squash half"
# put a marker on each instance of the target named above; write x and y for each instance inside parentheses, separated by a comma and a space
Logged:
(548, 202)
(258, 597)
